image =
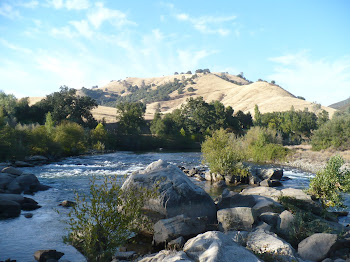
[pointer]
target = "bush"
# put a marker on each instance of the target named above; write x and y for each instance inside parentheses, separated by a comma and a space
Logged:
(106, 219)
(41, 143)
(329, 183)
(71, 137)
(221, 154)
(334, 133)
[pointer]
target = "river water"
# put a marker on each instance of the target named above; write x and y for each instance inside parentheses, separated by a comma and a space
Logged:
(21, 237)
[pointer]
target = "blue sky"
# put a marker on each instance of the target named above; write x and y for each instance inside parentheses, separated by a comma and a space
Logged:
(303, 45)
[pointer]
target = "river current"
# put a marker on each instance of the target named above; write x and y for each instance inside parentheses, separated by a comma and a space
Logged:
(21, 237)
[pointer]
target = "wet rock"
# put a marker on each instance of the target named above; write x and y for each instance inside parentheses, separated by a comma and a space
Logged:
(67, 203)
(22, 164)
(177, 194)
(28, 215)
(12, 171)
(270, 218)
(217, 246)
(9, 209)
(219, 184)
(317, 246)
(263, 191)
(29, 204)
(270, 173)
(45, 255)
(5, 180)
(166, 230)
(237, 218)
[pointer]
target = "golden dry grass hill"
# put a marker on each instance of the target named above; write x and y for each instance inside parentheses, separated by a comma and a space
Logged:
(231, 90)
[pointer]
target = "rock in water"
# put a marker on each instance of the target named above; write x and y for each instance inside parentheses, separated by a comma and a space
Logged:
(44, 255)
(177, 194)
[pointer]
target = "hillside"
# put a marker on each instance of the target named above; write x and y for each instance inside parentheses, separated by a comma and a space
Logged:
(229, 89)
(342, 105)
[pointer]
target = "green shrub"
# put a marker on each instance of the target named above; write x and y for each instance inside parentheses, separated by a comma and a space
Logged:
(13, 143)
(106, 219)
(333, 133)
(71, 138)
(221, 154)
(41, 143)
(329, 183)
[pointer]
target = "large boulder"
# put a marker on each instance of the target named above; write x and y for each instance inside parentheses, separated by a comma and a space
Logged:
(12, 171)
(28, 182)
(177, 194)
(5, 180)
(264, 242)
(9, 209)
(237, 218)
(317, 246)
(263, 191)
(284, 222)
(217, 246)
(166, 230)
(270, 173)
(167, 256)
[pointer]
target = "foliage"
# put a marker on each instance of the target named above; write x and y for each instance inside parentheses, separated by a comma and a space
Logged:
(71, 137)
(49, 123)
(220, 154)
(105, 219)
(99, 137)
(264, 145)
(305, 223)
(13, 143)
(334, 133)
(245, 120)
(66, 105)
(41, 142)
(293, 125)
(329, 183)
(130, 117)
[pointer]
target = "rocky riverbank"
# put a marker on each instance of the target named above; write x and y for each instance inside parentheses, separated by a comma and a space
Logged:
(258, 224)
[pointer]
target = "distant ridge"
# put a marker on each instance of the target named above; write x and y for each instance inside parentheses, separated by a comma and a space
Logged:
(342, 105)
(170, 92)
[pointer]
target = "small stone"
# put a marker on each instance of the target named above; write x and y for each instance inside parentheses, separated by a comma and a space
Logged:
(67, 203)
(44, 255)
(28, 215)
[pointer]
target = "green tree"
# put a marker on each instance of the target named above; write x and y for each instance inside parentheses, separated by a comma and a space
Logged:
(71, 138)
(106, 218)
(257, 116)
(99, 137)
(49, 124)
(130, 117)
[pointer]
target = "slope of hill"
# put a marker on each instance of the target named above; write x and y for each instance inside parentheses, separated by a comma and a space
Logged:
(342, 105)
(229, 89)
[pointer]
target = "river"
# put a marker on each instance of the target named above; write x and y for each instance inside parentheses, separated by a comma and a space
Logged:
(21, 237)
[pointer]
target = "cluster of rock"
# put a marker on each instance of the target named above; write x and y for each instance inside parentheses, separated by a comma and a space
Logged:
(268, 177)
(13, 182)
(248, 226)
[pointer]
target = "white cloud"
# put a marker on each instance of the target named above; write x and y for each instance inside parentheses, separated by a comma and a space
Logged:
(325, 81)
(190, 59)
(65, 32)
(15, 47)
(207, 24)
(101, 14)
(83, 28)
(32, 4)
(8, 11)
(70, 4)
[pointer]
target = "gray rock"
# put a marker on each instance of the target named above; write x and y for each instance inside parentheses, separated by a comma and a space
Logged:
(36, 159)
(166, 230)
(207, 176)
(237, 218)
(263, 226)
(265, 183)
(29, 204)
(219, 184)
(263, 191)
(67, 203)
(177, 243)
(177, 193)
(264, 242)
(28, 215)
(127, 255)
(12, 171)
(284, 222)
(317, 246)
(27, 181)
(240, 237)
(12, 197)
(14, 187)
(167, 256)
(5, 180)
(44, 255)
(270, 218)
(230, 199)
(296, 193)
(23, 164)
(9, 209)
(265, 204)
(270, 173)
(216, 246)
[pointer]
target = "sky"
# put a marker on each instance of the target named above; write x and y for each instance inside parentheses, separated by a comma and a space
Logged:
(302, 45)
